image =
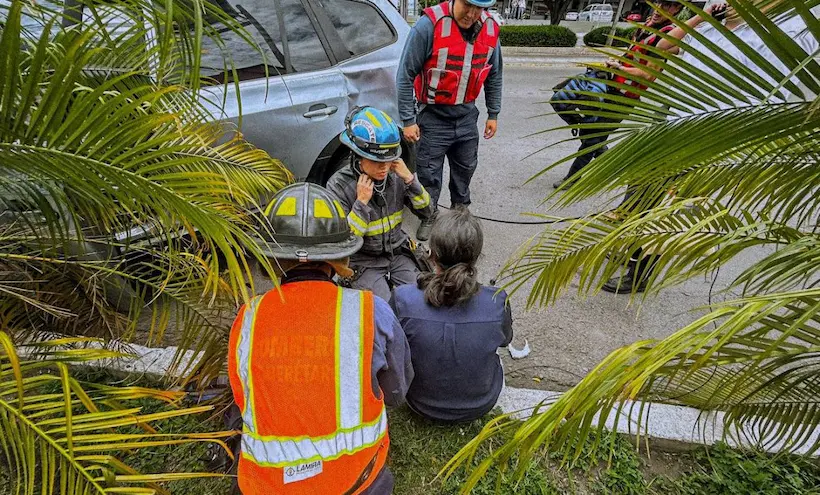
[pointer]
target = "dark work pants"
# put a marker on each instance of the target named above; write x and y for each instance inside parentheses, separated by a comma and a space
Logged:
(455, 139)
(373, 272)
(583, 160)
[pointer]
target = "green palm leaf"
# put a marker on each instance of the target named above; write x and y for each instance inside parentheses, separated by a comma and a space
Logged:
(57, 442)
(721, 160)
(128, 214)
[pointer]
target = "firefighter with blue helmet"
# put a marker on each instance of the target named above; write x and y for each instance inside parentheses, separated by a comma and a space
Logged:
(374, 189)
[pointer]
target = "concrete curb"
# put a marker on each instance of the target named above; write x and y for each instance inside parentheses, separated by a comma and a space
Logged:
(550, 55)
(548, 51)
(665, 426)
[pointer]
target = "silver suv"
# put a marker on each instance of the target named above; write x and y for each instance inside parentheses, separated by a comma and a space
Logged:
(323, 57)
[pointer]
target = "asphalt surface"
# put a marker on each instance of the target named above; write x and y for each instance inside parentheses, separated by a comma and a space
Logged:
(570, 337)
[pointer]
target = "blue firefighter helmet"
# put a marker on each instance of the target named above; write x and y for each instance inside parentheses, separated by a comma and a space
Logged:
(372, 134)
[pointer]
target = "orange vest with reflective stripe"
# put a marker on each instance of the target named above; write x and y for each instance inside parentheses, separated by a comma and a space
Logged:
(300, 368)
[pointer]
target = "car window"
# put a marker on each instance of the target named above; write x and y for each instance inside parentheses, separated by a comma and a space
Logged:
(359, 24)
(306, 50)
(260, 20)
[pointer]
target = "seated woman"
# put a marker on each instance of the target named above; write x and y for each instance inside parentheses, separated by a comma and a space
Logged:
(454, 326)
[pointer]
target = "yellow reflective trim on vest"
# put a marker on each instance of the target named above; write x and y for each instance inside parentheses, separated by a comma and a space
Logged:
(352, 434)
(287, 208)
(336, 354)
(274, 453)
(277, 438)
(349, 372)
(244, 353)
(362, 368)
(321, 209)
(421, 201)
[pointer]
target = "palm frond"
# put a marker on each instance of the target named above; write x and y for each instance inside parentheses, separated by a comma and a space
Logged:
(720, 159)
(127, 213)
(59, 442)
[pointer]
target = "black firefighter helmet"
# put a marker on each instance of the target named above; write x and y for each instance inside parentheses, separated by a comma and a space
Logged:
(307, 223)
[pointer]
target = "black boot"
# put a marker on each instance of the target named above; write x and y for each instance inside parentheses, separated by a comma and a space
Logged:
(565, 182)
(636, 278)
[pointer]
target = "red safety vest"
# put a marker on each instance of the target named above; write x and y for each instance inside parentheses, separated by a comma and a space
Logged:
(299, 363)
(650, 40)
(456, 70)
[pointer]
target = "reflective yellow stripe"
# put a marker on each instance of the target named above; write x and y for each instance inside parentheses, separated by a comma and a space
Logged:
(357, 225)
(384, 224)
(276, 453)
(421, 201)
(337, 355)
(278, 438)
(372, 118)
(287, 208)
(349, 371)
(321, 209)
(244, 352)
(362, 368)
(376, 227)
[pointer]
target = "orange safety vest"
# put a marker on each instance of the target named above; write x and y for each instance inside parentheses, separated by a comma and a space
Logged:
(299, 363)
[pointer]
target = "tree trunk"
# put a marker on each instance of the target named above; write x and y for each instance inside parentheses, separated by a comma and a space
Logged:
(557, 8)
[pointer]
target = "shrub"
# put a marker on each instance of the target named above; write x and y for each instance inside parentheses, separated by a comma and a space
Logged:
(537, 36)
(598, 36)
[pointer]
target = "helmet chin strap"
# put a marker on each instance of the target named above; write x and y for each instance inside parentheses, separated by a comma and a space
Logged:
(378, 185)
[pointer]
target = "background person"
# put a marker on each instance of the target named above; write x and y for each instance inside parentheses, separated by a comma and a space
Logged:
(452, 52)
(312, 365)
(594, 137)
(454, 326)
(641, 267)
(373, 191)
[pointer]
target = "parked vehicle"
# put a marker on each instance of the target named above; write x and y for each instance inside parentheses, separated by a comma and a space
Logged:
(322, 57)
(571, 15)
(499, 19)
(597, 12)
(538, 11)
(332, 56)
(296, 87)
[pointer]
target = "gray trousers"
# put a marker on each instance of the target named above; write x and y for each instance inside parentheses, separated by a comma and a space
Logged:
(455, 139)
(380, 274)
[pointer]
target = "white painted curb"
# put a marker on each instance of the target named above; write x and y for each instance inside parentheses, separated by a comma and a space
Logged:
(665, 422)
(661, 421)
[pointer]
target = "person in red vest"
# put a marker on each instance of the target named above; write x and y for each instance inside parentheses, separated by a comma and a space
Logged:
(453, 51)
(312, 364)
(640, 39)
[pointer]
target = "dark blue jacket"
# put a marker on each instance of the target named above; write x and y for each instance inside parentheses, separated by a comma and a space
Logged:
(458, 373)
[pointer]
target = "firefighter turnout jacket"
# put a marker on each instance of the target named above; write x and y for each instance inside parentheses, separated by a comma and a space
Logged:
(379, 221)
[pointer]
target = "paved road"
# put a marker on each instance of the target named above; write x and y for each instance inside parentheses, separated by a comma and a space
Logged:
(572, 336)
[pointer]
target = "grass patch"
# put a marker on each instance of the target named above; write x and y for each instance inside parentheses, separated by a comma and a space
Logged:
(722, 470)
(419, 449)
